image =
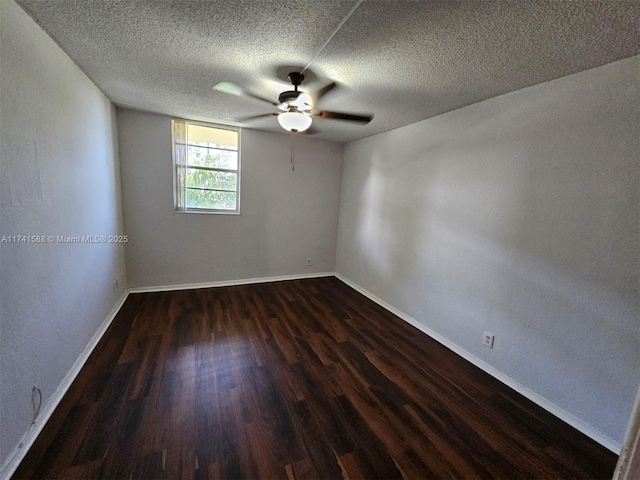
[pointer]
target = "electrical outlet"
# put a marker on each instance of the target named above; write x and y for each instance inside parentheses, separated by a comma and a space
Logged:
(308, 261)
(488, 339)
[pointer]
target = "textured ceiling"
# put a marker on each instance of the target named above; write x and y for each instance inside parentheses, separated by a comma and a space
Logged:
(401, 61)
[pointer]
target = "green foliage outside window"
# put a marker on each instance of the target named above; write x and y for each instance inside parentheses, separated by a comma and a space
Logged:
(209, 199)
(211, 188)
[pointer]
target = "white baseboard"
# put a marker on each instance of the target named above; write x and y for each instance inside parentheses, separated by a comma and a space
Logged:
(563, 415)
(52, 402)
(228, 283)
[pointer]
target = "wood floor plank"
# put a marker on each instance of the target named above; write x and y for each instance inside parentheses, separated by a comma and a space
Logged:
(297, 379)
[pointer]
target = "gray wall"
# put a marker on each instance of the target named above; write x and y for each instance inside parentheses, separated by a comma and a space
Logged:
(59, 177)
(286, 216)
(517, 215)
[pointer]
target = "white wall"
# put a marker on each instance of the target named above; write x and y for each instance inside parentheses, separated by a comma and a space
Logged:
(59, 176)
(519, 216)
(286, 216)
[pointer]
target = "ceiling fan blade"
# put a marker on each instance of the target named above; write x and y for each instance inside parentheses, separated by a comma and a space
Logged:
(323, 91)
(238, 91)
(341, 116)
(255, 117)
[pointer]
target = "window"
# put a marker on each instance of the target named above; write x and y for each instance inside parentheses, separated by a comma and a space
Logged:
(206, 167)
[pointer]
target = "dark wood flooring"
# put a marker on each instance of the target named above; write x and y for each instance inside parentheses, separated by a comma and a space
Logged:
(297, 379)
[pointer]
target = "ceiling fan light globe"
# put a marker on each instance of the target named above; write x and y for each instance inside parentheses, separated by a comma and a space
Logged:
(294, 121)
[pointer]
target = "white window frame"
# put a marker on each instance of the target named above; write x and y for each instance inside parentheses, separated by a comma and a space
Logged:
(176, 175)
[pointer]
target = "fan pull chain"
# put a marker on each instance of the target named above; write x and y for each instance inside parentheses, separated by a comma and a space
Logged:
(293, 165)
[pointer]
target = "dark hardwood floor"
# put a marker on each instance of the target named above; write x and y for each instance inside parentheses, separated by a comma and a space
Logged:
(297, 379)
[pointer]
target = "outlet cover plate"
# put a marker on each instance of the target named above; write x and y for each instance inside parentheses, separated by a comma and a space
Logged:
(488, 339)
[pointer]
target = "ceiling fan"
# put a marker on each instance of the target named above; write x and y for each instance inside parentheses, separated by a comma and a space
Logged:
(296, 107)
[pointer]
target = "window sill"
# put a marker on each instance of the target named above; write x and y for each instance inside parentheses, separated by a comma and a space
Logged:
(209, 212)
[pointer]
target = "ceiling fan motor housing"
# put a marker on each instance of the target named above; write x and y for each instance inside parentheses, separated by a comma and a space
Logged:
(289, 96)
